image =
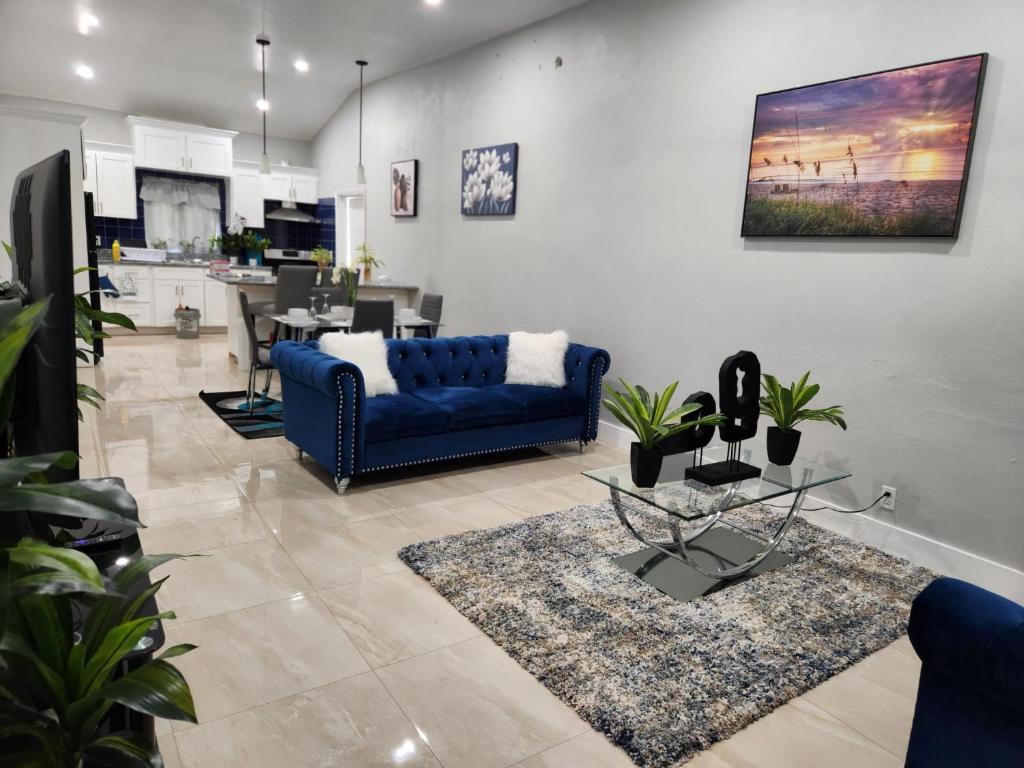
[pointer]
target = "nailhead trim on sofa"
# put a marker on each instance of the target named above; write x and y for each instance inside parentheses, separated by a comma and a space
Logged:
(472, 453)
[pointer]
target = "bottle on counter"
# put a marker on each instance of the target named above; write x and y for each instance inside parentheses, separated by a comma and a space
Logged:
(115, 251)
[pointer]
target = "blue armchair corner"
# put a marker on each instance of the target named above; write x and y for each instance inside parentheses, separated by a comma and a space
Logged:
(970, 701)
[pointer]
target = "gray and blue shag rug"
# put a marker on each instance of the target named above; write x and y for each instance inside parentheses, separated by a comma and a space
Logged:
(662, 679)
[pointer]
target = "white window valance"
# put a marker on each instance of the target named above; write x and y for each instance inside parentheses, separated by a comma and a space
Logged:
(179, 210)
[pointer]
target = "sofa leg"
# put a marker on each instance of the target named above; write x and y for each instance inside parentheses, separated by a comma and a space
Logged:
(583, 446)
(341, 485)
(298, 453)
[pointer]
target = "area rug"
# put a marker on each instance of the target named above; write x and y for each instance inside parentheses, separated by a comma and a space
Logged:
(665, 680)
(266, 419)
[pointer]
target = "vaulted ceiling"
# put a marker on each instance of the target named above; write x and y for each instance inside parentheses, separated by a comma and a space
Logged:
(197, 61)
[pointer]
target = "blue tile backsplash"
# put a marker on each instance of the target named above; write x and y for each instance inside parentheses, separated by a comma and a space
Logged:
(282, 234)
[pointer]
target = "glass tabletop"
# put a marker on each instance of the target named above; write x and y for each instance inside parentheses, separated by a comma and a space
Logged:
(691, 500)
(327, 321)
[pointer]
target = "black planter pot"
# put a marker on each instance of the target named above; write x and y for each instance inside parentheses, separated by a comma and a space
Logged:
(782, 445)
(645, 466)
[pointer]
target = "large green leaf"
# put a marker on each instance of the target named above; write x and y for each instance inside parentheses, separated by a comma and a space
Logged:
(59, 559)
(115, 645)
(91, 499)
(13, 471)
(157, 689)
(124, 749)
(15, 334)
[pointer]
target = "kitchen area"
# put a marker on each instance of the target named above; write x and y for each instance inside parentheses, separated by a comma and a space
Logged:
(178, 223)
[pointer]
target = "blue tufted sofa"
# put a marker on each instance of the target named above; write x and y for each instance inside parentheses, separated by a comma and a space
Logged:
(970, 701)
(452, 402)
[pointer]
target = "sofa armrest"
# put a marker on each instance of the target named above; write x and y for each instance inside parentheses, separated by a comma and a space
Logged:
(584, 368)
(971, 636)
(328, 399)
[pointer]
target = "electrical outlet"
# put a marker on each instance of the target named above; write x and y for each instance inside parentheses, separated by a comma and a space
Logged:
(889, 502)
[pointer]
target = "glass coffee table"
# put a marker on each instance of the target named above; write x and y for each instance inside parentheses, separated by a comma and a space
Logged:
(701, 549)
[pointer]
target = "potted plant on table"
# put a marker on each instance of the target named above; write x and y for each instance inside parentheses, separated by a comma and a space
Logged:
(651, 421)
(786, 406)
(347, 278)
(366, 259)
(255, 244)
(323, 259)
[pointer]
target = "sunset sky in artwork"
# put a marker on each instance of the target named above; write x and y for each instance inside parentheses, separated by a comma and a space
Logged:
(911, 124)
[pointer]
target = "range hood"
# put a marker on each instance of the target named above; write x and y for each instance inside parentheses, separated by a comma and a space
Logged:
(289, 211)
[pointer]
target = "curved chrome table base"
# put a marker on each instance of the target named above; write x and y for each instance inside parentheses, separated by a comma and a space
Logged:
(677, 548)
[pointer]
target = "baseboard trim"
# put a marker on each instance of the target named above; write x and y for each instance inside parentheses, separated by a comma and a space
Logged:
(931, 553)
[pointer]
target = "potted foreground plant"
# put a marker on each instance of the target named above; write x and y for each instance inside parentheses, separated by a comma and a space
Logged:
(786, 406)
(651, 421)
(58, 673)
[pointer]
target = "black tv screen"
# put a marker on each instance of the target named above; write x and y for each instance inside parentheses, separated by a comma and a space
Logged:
(883, 155)
(46, 389)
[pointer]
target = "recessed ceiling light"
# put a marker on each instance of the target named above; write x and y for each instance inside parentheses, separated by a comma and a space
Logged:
(262, 104)
(432, 2)
(86, 21)
(84, 71)
(302, 65)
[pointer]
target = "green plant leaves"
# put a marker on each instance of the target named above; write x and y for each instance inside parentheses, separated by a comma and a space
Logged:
(15, 335)
(786, 405)
(157, 689)
(92, 499)
(650, 418)
(124, 749)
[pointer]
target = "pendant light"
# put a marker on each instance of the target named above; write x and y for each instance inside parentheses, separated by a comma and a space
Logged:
(263, 41)
(360, 170)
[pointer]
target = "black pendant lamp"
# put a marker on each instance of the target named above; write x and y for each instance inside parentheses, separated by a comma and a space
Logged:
(360, 170)
(263, 105)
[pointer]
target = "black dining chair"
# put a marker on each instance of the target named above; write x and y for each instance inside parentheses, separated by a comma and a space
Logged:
(259, 356)
(374, 316)
(430, 309)
(294, 283)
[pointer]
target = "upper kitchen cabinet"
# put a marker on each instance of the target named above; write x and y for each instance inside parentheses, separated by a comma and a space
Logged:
(110, 176)
(298, 185)
(247, 196)
(184, 148)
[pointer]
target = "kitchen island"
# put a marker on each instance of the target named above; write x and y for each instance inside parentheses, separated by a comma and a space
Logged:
(259, 284)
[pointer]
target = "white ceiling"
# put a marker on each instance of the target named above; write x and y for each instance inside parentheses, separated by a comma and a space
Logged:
(196, 60)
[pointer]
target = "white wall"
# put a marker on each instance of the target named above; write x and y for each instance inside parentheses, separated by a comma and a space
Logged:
(109, 126)
(631, 179)
(27, 137)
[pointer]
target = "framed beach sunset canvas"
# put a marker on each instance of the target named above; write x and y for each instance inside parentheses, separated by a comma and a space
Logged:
(879, 155)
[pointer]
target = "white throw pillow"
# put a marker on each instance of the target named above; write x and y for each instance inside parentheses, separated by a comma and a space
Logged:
(537, 358)
(369, 353)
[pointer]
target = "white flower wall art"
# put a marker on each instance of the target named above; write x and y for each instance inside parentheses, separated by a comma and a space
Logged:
(489, 180)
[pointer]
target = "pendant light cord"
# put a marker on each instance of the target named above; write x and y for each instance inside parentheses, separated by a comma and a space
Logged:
(362, 66)
(263, 67)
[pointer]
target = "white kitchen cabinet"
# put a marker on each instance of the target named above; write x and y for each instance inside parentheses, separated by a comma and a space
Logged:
(304, 189)
(89, 180)
(136, 287)
(160, 148)
(299, 188)
(110, 176)
(184, 148)
(247, 197)
(209, 154)
(115, 186)
(215, 303)
(165, 300)
(277, 186)
(193, 296)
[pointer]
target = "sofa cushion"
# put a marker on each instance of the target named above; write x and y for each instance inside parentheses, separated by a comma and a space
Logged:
(470, 407)
(390, 417)
(543, 402)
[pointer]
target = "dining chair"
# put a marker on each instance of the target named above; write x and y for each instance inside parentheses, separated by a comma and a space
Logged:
(430, 309)
(372, 315)
(259, 356)
(294, 283)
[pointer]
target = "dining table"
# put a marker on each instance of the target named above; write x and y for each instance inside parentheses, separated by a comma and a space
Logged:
(312, 325)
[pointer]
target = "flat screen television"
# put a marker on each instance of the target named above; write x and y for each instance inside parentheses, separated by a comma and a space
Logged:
(46, 389)
(879, 155)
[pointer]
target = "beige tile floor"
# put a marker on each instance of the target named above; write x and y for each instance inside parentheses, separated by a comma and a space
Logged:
(319, 648)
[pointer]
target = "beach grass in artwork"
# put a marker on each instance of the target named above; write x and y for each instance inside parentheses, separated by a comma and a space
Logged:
(883, 155)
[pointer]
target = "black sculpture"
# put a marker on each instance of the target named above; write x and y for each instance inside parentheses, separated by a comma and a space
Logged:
(741, 410)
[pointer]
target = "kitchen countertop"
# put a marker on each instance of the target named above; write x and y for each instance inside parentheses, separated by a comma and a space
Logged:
(101, 259)
(260, 280)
